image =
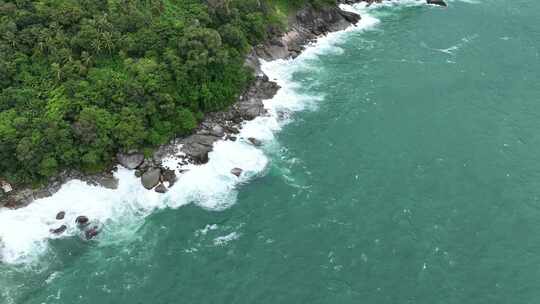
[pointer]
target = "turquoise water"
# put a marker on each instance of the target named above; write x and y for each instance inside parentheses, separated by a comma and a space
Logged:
(415, 180)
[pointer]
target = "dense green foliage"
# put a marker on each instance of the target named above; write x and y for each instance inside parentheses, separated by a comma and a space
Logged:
(81, 80)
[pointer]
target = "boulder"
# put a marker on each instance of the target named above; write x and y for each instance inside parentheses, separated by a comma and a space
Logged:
(161, 188)
(255, 142)
(60, 215)
(130, 160)
(168, 175)
(217, 131)
(437, 2)
(198, 146)
(251, 109)
(59, 230)
(82, 220)
(150, 178)
(237, 172)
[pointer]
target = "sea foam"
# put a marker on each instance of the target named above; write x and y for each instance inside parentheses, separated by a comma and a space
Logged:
(24, 232)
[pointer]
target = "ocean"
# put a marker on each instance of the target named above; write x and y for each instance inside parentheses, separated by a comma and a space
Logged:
(401, 164)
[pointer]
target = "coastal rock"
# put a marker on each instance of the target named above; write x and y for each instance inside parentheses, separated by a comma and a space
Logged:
(303, 28)
(109, 182)
(217, 131)
(130, 160)
(251, 108)
(437, 2)
(237, 172)
(59, 230)
(82, 220)
(150, 178)
(255, 142)
(198, 146)
(161, 188)
(168, 175)
(232, 130)
(350, 16)
(60, 215)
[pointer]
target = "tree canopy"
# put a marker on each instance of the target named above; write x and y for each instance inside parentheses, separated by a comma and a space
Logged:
(82, 80)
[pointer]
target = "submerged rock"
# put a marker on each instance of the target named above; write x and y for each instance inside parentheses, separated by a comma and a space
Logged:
(130, 160)
(255, 142)
(237, 171)
(59, 230)
(91, 233)
(437, 2)
(150, 178)
(82, 220)
(60, 215)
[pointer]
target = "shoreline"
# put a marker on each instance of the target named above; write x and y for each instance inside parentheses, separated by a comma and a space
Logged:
(24, 232)
(304, 27)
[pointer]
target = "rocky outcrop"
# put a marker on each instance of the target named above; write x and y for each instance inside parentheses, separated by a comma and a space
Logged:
(22, 196)
(304, 27)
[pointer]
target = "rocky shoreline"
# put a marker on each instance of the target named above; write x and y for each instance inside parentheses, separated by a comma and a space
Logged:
(305, 26)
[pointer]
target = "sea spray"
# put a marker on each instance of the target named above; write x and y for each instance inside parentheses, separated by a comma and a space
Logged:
(25, 232)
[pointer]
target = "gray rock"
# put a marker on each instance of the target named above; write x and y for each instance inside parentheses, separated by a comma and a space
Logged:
(150, 178)
(161, 188)
(251, 109)
(237, 171)
(59, 230)
(82, 220)
(130, 160)
(109, 182)
(198, 146)
(217, 131)
(60, 215)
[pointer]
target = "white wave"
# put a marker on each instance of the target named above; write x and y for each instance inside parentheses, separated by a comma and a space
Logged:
(24, 233)
(224, 240)
(453, 49)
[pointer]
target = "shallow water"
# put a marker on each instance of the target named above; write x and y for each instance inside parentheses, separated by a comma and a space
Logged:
(408, 172)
